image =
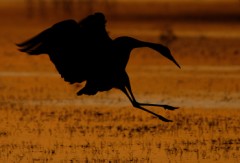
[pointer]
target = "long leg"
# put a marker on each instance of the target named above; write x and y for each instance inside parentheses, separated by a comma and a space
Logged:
(167, 107)
(136, 105)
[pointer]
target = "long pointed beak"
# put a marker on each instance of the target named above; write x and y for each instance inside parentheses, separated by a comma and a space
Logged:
(174, 61)
(170, 57)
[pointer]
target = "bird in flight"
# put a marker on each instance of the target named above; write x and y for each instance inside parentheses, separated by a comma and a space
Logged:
(83, 51)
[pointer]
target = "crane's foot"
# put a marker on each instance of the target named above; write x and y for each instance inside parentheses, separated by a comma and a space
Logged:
(168, 107)
(138, 105)
(164, 119)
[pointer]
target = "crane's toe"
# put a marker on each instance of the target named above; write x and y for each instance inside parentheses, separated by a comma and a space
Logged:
(168, 107)
(164, 119)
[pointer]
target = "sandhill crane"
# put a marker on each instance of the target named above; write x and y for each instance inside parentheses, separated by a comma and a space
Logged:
(83, 51)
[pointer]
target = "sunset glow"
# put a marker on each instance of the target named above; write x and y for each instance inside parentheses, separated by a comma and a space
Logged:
(43, 120)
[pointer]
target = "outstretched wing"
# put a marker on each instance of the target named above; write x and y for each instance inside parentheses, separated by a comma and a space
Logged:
(73, 47)
(57, 37)
(61, 42)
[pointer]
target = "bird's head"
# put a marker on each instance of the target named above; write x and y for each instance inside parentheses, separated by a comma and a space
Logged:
(165, 52)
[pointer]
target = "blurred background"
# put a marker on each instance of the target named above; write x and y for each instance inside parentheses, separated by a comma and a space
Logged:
(175, 23)
(203, 35)
(42, 119)
(197, 10)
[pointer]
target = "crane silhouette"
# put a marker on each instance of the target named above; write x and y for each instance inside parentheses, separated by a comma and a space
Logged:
(83, 51)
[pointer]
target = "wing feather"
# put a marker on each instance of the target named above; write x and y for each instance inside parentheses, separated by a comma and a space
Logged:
(77, 49)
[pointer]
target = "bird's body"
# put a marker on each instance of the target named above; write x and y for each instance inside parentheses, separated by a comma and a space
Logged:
(84, 52)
